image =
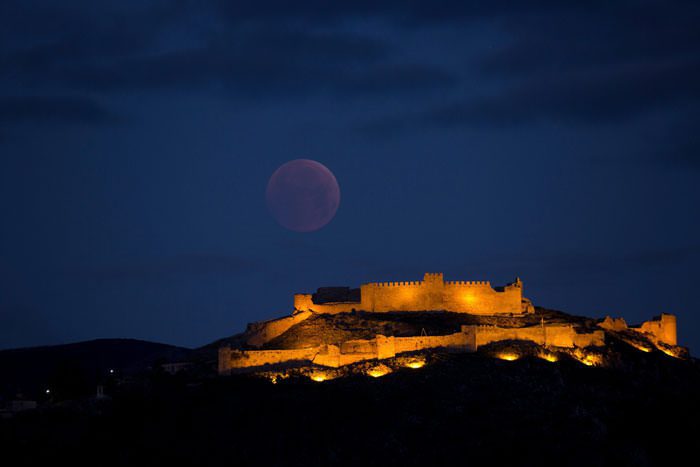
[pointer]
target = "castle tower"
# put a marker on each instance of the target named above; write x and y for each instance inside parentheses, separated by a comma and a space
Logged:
(668, 333)
(432, 297)
(433, 279)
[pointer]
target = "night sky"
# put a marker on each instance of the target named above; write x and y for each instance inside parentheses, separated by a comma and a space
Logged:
(556, 141)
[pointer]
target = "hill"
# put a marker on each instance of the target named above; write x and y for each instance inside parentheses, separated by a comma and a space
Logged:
(31, 370)
(459, 409)
(628, 400)
(340, 327)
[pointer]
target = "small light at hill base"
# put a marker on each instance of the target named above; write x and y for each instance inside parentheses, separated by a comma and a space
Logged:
(416, 364)
(669, 352)
(588, 359)
(641, 347)
(379, 371)
(549, 357)
(508, 356)
(321, 376)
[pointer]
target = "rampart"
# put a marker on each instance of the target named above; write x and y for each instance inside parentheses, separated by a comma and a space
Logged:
(556, 335)
(432, 293)
(232, 359)
(348, 352)
(660, 329)
(264, 331)
(469, 339)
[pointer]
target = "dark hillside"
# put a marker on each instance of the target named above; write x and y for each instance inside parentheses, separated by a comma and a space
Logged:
(30, 370)
(460, 409)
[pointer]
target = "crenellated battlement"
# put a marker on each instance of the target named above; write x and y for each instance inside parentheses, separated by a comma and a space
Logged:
(433, 277)
(432, 293)
(469, 283)
(395, 284)
(422, 283)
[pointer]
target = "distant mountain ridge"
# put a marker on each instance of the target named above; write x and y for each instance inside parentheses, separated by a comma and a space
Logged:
(29, 369)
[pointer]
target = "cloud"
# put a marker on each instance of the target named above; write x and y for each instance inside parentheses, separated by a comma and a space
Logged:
(52, 109)
(247, 52)
(406, 13)
(614, 93)
(281, 63)
(580, 62)
(395, 79)
(606, 62)
(684, 153)
(577, 63)
(678, 146)
(594, 34)
(184, 265)
(574, 266)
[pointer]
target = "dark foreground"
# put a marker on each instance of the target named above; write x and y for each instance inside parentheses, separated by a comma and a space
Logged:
(465, 409)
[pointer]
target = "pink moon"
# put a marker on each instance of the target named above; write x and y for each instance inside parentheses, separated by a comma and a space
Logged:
(303, 195)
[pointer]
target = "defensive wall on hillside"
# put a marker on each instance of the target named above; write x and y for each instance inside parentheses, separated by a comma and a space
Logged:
(264, 331)
(556, 335)
(469, 339)
(432, 293)
(660, 329)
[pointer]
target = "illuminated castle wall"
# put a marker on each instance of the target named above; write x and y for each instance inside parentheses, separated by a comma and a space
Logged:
(661, 331)
(432, 293)
(468, 339)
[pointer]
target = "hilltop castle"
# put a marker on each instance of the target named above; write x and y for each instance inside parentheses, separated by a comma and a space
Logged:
(478, 315)
(432, 293)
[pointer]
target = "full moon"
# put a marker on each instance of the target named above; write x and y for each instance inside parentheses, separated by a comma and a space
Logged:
(303, 195)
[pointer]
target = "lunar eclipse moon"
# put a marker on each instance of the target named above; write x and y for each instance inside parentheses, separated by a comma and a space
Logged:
(303, 195)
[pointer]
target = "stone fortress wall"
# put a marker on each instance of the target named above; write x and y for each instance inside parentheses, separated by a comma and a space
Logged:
(468, 339)
(661, 329)
(556, 335)
(264, 331)
(432, 293)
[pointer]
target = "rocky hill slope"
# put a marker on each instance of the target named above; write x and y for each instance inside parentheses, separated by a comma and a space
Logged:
(458, 409)
(330, 328)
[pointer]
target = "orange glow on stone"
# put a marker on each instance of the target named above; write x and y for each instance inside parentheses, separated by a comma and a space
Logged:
(641, 347)
(508, 356)
(550, 357)
(319, 377)
(588, 359)
(469, 298)
(379, 371)
(669, 352)
(415, 364)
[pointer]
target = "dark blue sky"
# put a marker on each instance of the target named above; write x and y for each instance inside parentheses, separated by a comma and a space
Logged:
(556, 141)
